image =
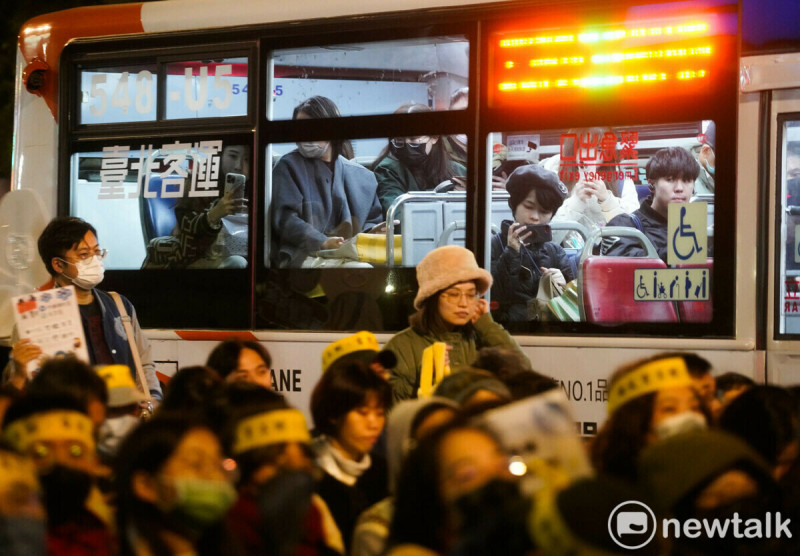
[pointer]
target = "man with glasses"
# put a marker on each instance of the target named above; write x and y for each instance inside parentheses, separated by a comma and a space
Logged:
(72, 255)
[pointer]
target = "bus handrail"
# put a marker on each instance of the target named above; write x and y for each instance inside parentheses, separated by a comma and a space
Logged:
(419, 196)
(623, 231)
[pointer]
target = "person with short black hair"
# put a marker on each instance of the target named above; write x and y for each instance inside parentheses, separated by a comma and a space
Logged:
(71, 252)
(239, 360)
(348, 406)
(730, 385)
(72, 377)
(519, 260)
(671, 173)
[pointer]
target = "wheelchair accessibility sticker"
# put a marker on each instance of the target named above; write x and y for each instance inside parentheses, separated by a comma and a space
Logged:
(687, 236)
(671, 284)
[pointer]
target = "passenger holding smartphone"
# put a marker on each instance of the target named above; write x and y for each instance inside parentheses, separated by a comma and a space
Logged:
(522, 252)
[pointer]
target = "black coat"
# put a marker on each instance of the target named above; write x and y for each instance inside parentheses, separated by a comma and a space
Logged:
(652, 225)
(516, 275)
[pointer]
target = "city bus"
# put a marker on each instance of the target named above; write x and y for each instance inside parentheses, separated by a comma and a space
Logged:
(125, 115)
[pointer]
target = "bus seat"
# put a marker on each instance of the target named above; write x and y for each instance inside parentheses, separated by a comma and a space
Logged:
(561, 229)
(158, 213)
(642, 191)
(606, 284)
(698, 311)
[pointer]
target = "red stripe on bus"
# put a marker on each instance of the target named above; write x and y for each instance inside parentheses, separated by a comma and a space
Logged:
(43, 38)
(214, 335)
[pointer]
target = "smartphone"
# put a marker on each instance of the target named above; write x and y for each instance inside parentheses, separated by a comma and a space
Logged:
(235, 183)
(540, 233)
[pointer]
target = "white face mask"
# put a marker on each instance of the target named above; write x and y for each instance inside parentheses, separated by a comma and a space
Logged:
(312, 150)
(90, 272)
(687, 421)
(114, 430)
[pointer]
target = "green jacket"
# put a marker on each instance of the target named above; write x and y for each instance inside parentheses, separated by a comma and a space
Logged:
(395, 179)
(408, 345)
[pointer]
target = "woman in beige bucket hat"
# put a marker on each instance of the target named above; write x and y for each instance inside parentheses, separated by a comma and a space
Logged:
(449, 310)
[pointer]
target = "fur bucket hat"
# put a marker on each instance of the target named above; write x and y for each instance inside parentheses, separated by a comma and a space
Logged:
(445, 266)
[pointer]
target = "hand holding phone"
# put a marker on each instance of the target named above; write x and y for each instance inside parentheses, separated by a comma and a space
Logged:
(235, 185)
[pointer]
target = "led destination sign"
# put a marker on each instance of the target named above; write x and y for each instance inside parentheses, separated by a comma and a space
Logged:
(608, 57)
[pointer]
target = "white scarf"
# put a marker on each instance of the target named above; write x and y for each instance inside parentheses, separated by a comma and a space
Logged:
(337, 464)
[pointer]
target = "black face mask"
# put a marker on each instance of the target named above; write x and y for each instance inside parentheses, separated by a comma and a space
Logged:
(492, 520)
(413, 157)
(65, 492)
(283, 503)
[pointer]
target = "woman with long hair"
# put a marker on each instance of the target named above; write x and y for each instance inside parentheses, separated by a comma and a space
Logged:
(320, 197)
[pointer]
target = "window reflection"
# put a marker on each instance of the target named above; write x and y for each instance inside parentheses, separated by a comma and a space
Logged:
(371, 78)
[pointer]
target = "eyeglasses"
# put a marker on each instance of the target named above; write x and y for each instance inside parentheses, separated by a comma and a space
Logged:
(412, 142)
(455, 296)
(99, 253)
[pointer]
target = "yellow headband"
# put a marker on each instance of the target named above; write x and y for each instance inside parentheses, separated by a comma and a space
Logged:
(274, 427)
(650, 377)
(55, 425)
(552, 534)
(16, 469)
(360, 341)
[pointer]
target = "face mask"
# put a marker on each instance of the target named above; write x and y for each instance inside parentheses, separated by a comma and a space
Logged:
(90, 272)
(412, 157)
(201, 502)
(687, 421)
(312, 150)
(22, 536)
(708, 167)
(65, 492)
(112, 431)
(283, 504)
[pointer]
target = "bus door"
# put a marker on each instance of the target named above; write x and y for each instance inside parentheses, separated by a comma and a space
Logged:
(775, 77)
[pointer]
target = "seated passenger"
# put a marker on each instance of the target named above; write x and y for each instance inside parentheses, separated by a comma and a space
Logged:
(517, 264)
(596, 195)
(195, 241)
(671, 173)
(456, 145)
(704, 184)
(413, 163)
(320, 197)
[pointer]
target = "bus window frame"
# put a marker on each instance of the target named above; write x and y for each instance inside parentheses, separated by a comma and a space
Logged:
(477, 121)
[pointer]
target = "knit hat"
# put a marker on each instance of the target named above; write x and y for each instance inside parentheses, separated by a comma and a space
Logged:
(122, 390)
(574, 521)
(362, 346)
(673, 468)
(445, 266)
(710, 136)
(529, 177)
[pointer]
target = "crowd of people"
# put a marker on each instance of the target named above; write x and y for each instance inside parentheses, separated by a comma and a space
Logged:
(408, 451)
(225, 465)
